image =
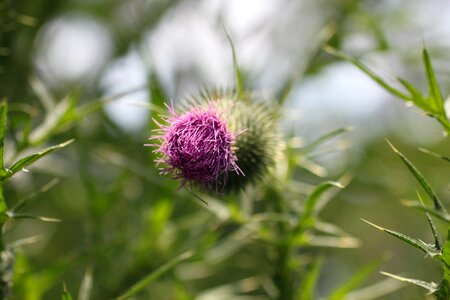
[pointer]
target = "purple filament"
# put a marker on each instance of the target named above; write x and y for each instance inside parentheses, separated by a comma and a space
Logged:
(196, 146)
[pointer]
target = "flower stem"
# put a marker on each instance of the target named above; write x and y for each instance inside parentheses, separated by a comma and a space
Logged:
(6, 258)
(283, 278)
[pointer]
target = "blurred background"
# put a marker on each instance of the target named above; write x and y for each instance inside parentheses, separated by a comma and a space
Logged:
(113, 58)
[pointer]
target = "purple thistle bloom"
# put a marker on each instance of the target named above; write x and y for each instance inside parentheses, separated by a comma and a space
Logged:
(197, 146)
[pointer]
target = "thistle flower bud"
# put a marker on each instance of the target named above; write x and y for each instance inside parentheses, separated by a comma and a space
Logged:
(218, 143)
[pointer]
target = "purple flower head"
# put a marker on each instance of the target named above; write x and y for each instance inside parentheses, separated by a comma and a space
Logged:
(197, 146)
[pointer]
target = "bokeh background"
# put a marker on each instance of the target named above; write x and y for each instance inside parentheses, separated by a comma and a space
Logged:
(121, 219)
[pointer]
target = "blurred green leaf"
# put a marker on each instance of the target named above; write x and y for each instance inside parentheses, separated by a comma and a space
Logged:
(328, 31)
(230, 245)
(25, 200)
(343, 242)
(31, 283)
(306, 219)
(315, 195)
(86, 285)
(436, 102)
(42, 92)
(97, 104)
(14, 215)
(356, 280)
(421, 179)
(26, 161)
(446, 158)
(65, 294)
(158, 95)
(366, 70)
(3, 112)
(313, 167)
(324, 139)
(430, 286)
(240, 84)
(52, 120)
(141, 284)
(330, 228)
(438, 214)
(308, 287)
(429, 249)
(416, 95)
(376, 290)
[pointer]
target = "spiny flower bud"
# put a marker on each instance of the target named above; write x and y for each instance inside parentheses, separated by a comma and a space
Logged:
(197, 145)
(218, 143)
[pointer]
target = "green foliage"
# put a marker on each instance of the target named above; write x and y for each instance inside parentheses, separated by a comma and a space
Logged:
(423, 182)
(30, 159)
(239, 78)
(355, 281)
(3, 111)
(310, 280)
(432, 105)
(140, 285)
(66, 295)
(430, 286)
(119, 228)
(440, 291)
(429, 249)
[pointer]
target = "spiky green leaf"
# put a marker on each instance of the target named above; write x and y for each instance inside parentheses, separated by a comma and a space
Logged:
(416, 95)
(430, 286)
(436, 102)
(368, 72)
(26, 161)
(429, 249)
(421, 179)
(437, 243)
(432, 105)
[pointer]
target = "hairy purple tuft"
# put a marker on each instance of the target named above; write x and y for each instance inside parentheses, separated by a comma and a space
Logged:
(197, 146)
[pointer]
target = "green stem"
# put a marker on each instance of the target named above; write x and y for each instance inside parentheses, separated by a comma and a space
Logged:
(443, 292)
(5, 255)
(445, 123)
(283, 275)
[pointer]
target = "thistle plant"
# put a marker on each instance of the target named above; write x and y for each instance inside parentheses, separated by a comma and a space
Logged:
(128, 235)
(218, 142)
